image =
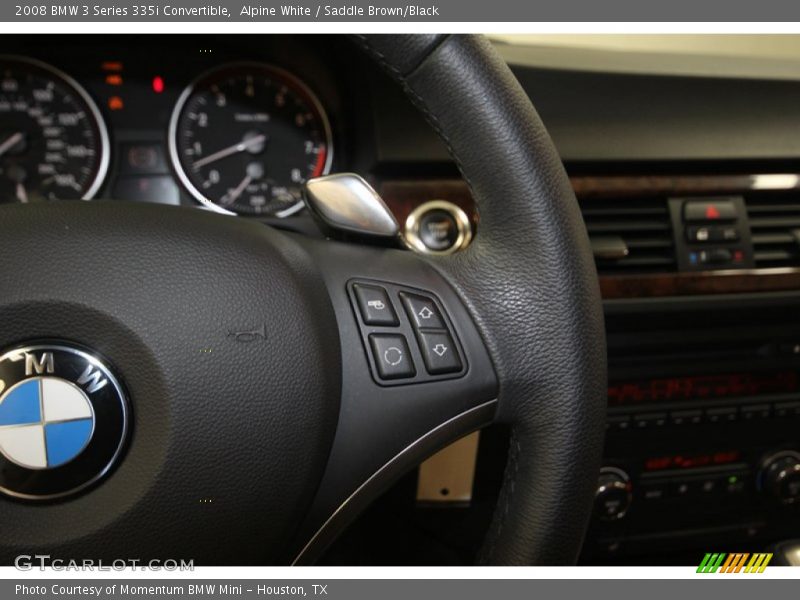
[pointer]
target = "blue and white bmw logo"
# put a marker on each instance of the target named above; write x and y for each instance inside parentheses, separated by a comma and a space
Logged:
(45, 422)
(63, 420)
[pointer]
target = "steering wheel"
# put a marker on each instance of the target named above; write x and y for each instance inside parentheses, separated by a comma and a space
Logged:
(260, 448)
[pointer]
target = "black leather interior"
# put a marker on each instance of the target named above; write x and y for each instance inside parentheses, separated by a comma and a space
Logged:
(531, 284)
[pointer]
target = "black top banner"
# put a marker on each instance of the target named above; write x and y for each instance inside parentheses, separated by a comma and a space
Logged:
(465, 11)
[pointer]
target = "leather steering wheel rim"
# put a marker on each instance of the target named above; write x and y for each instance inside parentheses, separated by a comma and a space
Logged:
(530, 281)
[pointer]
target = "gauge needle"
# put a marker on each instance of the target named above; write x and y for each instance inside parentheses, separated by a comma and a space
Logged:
(10, 143)
(22, 195)
(238, 147)
(231, 196)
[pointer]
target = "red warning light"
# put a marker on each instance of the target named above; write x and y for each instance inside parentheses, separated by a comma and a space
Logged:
(115, 103)
(111, 65)
(712, 212)
(158, 84)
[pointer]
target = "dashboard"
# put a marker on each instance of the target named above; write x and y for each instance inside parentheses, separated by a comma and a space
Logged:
(233, 126)
(690, 190)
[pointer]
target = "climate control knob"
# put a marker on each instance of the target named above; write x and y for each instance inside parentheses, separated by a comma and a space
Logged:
(613, 496)
(780, 477)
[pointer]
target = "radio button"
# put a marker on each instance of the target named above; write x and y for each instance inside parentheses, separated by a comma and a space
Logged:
(787, 409)
(790, 348)
(721, 415)
(684, 489)
(649, 420)
(618, 422)
(735, 484)
(710, 486)
(754, 412)
(686, 417)
(654, 492)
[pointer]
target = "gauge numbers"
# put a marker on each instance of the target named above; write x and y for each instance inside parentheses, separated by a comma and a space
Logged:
(53, 142)
(245, 137)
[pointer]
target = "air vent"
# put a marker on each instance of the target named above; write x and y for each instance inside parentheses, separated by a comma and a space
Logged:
(630, 235)
(775, 228)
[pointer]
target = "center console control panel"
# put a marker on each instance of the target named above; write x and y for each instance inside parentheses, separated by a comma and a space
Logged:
(711, 233)
(702, 442)
(698, 458)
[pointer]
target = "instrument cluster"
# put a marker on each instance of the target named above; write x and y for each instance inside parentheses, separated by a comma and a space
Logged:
(218, 130)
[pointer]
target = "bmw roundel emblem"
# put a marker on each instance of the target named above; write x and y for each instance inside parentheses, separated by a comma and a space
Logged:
(63, 420)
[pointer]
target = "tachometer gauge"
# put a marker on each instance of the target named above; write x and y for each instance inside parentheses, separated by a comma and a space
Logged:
(53, 141)
(244, 138)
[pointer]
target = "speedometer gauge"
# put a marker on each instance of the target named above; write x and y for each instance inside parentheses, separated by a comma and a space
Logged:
(244, 138)
(53, 142)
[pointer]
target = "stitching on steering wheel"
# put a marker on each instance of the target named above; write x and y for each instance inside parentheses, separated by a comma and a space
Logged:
(509, 485)
(509, 480)
(418, 101)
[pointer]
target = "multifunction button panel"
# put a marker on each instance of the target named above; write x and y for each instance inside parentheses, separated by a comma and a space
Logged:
(748, 411)
(711, 233)
(407, 334)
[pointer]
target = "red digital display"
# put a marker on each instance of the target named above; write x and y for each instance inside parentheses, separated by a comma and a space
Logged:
(703, 387)
(689, 461)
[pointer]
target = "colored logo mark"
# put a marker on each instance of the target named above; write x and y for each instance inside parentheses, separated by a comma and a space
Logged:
(737, 562)
(45, 422)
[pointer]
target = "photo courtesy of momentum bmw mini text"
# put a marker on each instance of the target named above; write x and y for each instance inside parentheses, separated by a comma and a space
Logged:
(124, 589)
(376, 299)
